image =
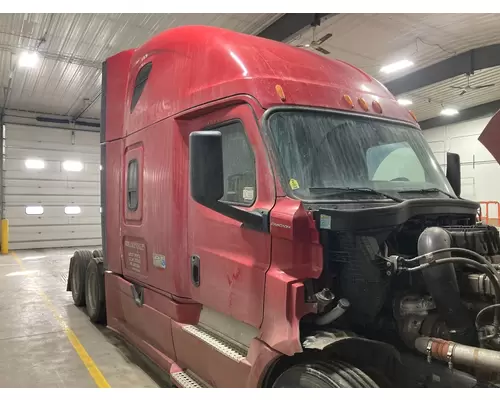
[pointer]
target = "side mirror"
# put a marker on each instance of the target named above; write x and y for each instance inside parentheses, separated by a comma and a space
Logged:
(205, 167)
(453, 172)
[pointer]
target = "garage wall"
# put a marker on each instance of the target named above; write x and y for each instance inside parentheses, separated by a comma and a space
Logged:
(51, 187)
(480, 171)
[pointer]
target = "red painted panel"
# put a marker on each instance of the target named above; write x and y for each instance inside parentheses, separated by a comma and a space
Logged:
(114, 310)
(261, 357)
(296, 247)
(117, 68)
(490, 137)
(186, 313)
(144, 321)
(162, 360)
(233, 260)
(212, 366)
(113, 168)
(162, 226)
(235, 63)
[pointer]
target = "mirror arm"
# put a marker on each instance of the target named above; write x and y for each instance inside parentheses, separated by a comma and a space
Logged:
(256, 220)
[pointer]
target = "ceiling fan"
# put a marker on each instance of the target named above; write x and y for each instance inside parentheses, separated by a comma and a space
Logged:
(316, 44)
(468, 87)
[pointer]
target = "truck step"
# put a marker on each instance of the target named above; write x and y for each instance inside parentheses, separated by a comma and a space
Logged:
(218, 343)
(186, 379)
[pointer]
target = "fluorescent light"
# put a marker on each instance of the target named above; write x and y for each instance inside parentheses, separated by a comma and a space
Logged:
(34, 210)
(405, 102)
(396, 66)
(74, 166)
(28, 59)
(72, 210)
(34, 164)
(449, 112)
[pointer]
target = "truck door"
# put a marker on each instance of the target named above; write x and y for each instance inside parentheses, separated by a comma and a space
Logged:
(228, 263)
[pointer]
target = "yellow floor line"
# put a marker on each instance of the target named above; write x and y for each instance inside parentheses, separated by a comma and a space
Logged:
(94, 372)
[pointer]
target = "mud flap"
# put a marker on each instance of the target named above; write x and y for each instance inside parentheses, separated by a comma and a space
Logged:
(70, 272)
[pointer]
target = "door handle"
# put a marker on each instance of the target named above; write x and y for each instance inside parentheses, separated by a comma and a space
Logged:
(138, 295)
(195, 270)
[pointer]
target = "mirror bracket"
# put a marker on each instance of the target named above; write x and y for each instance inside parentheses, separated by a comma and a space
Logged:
(256, 220)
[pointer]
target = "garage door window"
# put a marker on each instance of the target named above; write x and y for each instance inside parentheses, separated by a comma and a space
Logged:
(34, 164)
(72, 210)
(72, 166)
(132, 186)
(34, 210)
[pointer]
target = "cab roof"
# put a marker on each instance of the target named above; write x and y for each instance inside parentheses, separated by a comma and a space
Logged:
(194, 65)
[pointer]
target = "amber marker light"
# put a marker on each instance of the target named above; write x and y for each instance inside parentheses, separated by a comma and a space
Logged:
(280, 92)
(413, 115)
(376, 106)
(348, 100)
(363, 104)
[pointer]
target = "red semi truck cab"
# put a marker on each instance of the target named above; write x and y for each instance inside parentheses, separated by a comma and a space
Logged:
(217, 156)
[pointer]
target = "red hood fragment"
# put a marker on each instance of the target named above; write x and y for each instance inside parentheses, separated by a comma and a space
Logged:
(490, 137)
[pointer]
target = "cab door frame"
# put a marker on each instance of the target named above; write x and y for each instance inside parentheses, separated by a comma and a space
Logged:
(233, 260)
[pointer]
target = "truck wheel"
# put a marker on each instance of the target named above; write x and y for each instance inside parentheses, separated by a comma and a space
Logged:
(95, 292)
(331, 374)
(78, 266)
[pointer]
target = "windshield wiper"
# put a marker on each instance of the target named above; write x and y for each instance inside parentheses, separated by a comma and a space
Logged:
(330, 189)
(429, 190)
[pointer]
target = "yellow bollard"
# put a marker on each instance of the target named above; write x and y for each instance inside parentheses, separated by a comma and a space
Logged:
(5, 236)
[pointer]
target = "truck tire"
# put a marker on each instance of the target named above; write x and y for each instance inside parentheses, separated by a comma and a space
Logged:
(331, 374)
(78, 267)
(94, 291)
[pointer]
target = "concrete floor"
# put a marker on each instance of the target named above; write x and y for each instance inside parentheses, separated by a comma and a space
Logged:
(46, 341)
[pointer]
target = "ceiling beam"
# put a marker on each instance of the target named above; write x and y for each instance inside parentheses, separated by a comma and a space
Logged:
(467, 114)
(463, 63)
(290, 25)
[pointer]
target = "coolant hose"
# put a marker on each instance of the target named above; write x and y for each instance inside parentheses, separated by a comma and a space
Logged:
(334, 313)
(442, 284)
(456, 353)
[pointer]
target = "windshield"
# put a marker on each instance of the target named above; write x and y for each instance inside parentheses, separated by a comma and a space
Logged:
(322, 152)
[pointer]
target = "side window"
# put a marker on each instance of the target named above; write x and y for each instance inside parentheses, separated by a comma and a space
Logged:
(132, 186)
(140, 83)
(238, 165)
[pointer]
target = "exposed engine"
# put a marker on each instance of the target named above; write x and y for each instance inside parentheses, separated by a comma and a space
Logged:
(422, 276)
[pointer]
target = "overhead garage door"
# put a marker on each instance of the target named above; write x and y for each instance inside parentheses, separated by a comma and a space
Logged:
(51, 187)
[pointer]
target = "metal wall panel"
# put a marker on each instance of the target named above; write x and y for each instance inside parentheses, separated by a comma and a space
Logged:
(52, 187)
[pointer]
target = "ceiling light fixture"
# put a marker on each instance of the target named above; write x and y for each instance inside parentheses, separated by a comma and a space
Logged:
(405, 102)
(28, 59)
(448, 112)
(396, 66)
